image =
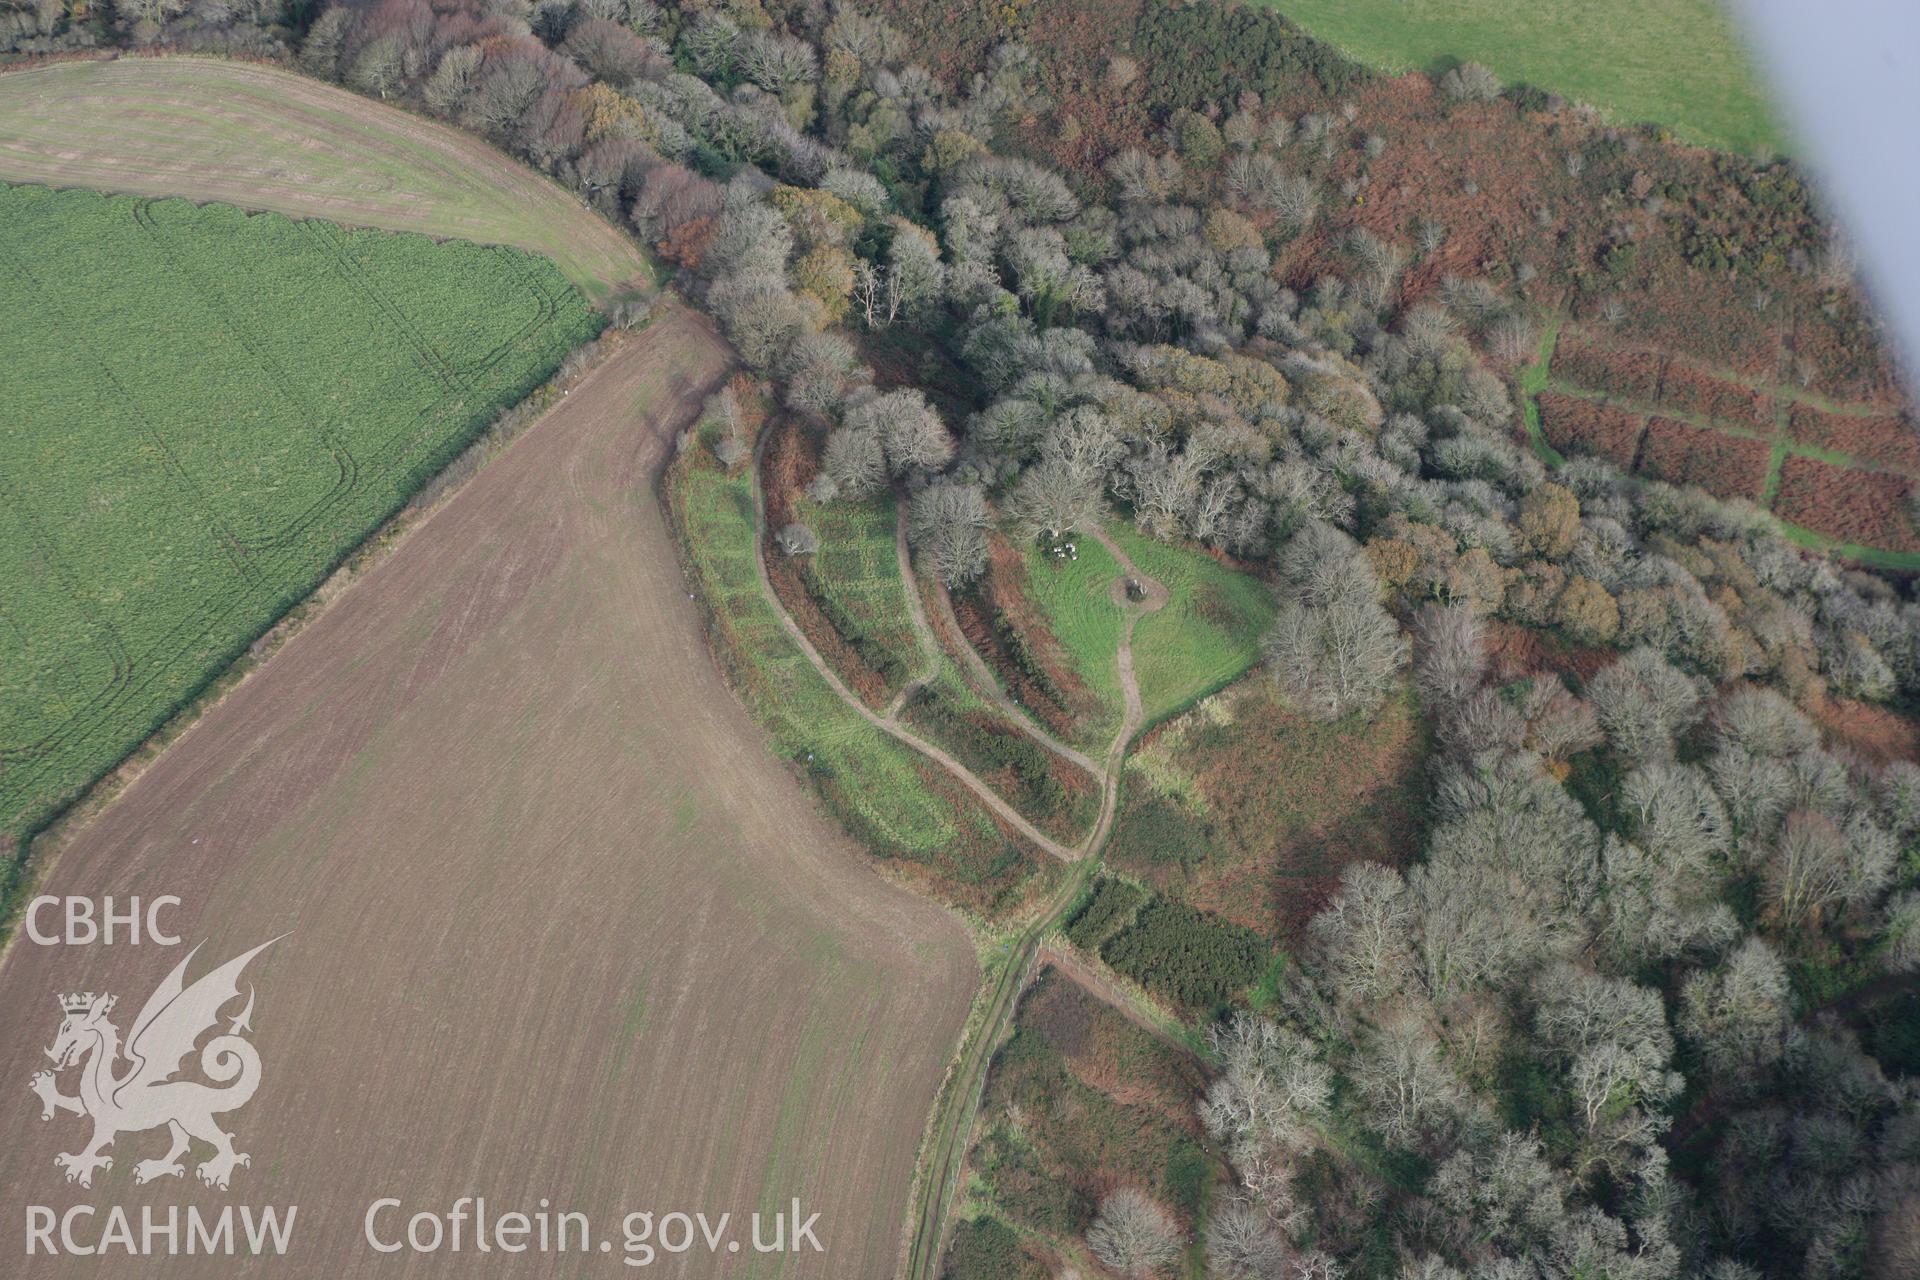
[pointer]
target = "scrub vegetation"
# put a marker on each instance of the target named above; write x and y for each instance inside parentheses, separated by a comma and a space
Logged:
(1529, 855)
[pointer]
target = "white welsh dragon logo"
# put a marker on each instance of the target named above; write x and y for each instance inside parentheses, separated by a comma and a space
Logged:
(145, 1095)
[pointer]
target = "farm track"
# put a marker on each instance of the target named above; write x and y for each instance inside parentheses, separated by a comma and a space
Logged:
(562, 926)
(949, 1132)
(987, 685)
(262, 138)
(922, 633)
(943, 1160)
(883, 721)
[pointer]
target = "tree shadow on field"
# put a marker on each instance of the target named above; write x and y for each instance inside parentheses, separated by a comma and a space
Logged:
(1306, 871)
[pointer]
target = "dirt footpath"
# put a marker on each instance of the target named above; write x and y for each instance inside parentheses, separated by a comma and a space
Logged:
(559, 926)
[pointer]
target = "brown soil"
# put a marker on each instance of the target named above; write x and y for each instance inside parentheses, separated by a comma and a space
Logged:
(560, 925)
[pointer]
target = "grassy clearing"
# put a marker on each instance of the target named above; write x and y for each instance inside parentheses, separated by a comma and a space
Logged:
(1871, 557)
(1075, 600)
(207, 410)
(1209, 633)
(1533, 380)
(875, 786)
(263, 138)
(1680, 63)
(855, 579)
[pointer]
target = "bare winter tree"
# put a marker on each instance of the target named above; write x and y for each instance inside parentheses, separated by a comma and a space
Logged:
(1244, 1244)
(1657, 909)
(610, 52)
(908, 428)
(1321, 565)
(1815, 865)
(877, 294)
(796, 539)
(1409, 1091)
(452, 79)
(1672, 808)
(1558, 723)
(776, 63)
(947, 524)
(1470, 82)
(1294, 199)
(1340, 656)
(1486, 721)
(1736, 1017)
(1902, 954)
(1138, 175)
(1134, 1235)
(1273, 1089)
(1164, 488)
(909, 281)
(1504, 1192)
(855, 461)
(1051, 499)
(1361, 938)
(1449, 654)
(822, 370)
(1611, 1035)
(760, 315)
(1763, 723)
(377, 68)
(1897, 791)
(1085, 440)
(1643, 703)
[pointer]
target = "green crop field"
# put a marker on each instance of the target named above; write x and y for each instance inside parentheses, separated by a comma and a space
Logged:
(263, 138)
(206, 411)
(1680, 63)
(1206, 637)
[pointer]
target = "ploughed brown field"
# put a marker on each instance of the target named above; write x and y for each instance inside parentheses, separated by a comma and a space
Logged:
(558, 923)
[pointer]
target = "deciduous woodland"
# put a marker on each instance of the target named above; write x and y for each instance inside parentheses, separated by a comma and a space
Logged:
(1552, 475)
